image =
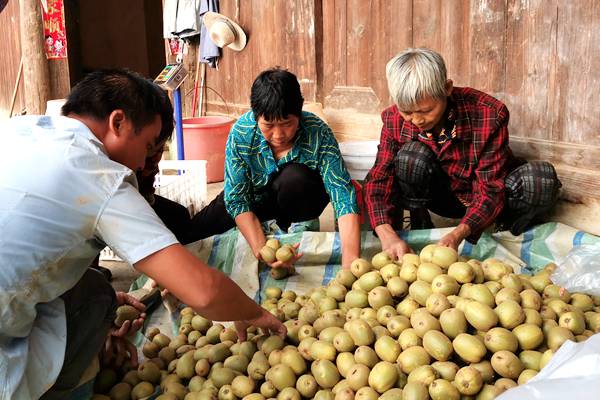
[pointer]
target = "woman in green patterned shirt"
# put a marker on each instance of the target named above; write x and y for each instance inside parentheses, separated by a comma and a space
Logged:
(281, 163)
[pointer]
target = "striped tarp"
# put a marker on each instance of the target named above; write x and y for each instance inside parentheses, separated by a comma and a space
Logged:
(231, 254)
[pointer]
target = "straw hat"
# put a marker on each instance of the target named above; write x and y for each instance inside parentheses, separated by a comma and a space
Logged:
(224, 32)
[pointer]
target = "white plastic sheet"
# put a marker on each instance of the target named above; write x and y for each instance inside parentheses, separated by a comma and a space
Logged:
(572, 373)
(579, 271)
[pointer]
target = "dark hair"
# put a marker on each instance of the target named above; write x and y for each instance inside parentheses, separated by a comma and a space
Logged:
(101, 92)
(275, 94)
(166, 116)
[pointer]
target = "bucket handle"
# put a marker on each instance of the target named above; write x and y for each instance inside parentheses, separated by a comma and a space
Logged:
(217, 93)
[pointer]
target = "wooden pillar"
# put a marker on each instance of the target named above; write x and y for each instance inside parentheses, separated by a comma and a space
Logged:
(36, 78)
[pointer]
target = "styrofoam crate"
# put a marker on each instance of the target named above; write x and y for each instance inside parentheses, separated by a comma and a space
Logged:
(183, 181)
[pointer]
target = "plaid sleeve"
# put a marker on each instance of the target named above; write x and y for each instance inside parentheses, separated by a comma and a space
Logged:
(380, 179)
(335, 176)
(488, 187)
(237, 186)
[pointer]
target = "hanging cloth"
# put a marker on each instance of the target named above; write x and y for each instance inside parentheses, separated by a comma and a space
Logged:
(181, 18)
(209, 51)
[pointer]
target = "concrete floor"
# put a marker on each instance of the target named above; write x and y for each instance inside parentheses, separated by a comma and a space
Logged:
(124, 275)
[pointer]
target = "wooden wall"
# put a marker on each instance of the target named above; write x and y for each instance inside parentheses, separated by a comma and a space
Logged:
(97, 41)
(10, 48)
(541, 57)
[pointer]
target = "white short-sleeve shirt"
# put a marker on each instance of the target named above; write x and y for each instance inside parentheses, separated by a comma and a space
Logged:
(61, 201)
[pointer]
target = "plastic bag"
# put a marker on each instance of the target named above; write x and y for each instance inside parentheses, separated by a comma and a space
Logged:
(572, 373)
(579, 271)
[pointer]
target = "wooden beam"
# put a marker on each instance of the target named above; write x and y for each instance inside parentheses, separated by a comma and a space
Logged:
(572, 154)
(36, 78)
(583, 216)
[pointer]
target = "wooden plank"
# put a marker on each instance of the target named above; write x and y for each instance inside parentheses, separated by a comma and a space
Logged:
(575, 114)
(572, 154)
(353, 98)
(529, 88)
(318, 46)
(35, 66)
(359, 46)
(235, 72)
(328, 67)
(487, 45)
(353, 125)
(397, 35)
(334, 46)
(60, 84)
(279, 34)
(10, 48)
(427, 17)
(300, 36)
(376, 32)
(455, 40)
(578, 183)
(378, 46)
(583, 215)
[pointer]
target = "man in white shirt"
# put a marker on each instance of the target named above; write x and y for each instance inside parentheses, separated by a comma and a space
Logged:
(67, 189)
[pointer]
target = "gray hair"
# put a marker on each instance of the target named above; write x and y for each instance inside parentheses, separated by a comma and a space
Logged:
(415, 74)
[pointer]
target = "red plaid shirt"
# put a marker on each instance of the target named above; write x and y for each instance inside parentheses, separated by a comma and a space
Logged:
(476, 160)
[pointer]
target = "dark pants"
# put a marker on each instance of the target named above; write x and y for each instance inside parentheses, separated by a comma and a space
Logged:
(531, 190)
(90, 310)
(294, 194)
(175, 217)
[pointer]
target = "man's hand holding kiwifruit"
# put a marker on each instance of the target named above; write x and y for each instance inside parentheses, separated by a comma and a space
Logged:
(129, 319)
(266, 321)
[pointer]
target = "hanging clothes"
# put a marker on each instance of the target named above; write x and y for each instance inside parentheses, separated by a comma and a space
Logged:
(209, 51)
(181, 18)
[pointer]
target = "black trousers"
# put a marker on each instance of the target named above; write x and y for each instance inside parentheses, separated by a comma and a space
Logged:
(295, 194)
(90, 310)
(531, 190)
(175, 217)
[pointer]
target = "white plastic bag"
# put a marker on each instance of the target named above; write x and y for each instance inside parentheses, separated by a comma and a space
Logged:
(579, 271)
(572, 373)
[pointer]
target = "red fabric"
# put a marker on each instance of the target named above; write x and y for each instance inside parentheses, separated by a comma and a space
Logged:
(476, 160)
(360, 200)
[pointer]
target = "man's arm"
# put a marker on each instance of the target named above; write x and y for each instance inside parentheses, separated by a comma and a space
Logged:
(208, 291)
(378, 189)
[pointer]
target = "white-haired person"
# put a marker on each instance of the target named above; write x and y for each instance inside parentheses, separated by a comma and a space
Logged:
(445, 149)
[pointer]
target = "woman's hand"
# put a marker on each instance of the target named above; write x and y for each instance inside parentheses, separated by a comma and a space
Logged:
(280, 264)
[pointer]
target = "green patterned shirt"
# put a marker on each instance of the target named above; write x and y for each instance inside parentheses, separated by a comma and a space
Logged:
(249, 164)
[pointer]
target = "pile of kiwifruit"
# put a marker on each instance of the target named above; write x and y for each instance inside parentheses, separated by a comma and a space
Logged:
(433, 326)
